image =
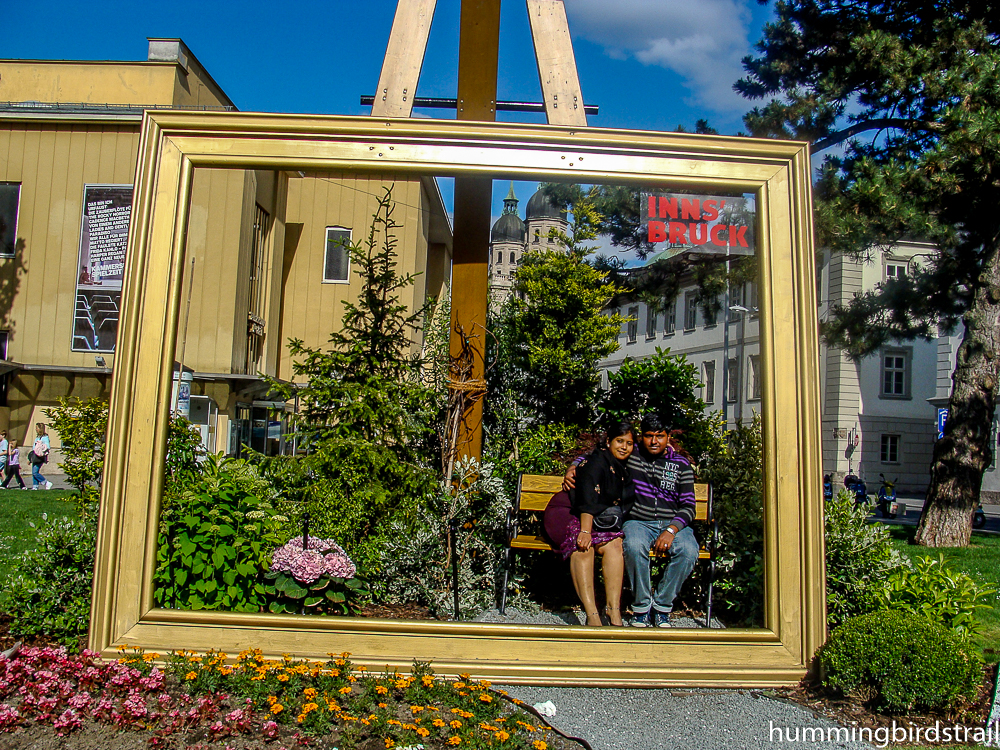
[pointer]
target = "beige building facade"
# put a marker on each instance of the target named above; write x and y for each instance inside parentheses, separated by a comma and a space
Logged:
(265, 255)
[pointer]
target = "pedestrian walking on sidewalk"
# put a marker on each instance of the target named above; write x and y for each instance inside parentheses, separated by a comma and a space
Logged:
(38, 455)
(13, 467)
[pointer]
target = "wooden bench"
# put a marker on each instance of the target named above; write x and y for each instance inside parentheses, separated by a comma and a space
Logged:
(533, 494)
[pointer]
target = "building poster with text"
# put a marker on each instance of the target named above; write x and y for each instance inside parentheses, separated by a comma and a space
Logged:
(698, 224)
(107, 210)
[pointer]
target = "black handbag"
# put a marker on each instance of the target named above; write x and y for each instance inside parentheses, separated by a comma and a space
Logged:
(610, 519)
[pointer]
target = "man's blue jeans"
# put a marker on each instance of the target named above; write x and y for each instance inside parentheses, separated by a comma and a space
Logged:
(683, 554)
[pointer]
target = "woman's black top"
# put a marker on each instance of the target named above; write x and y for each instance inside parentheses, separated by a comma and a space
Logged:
(600, 483)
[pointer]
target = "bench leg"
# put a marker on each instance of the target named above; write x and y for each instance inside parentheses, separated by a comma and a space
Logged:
(708, 602)
(508, 561)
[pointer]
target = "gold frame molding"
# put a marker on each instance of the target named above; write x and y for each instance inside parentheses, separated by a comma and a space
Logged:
(173, 144)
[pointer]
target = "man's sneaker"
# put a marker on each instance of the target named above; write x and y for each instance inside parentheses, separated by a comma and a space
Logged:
(661, 619)
(640, 620)
(48, 485)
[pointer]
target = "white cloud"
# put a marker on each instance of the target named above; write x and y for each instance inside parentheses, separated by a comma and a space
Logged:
(702, 41)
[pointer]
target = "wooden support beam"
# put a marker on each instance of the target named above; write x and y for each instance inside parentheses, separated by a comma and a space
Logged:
(404, 57)
(478, 60)
(556, 63)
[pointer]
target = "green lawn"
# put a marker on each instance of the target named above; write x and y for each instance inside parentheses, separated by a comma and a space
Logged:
(981, 561)
(18, 508)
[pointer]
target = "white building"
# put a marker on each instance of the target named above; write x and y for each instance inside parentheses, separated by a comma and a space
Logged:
(878, 415)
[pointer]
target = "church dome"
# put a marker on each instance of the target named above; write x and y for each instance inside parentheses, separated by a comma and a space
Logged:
(508, 228)
(540, 207)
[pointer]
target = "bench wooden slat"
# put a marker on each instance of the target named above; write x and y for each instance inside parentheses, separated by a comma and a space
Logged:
(527, 541)
(536, 483)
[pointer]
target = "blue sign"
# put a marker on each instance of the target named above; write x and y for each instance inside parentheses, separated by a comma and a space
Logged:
(942, 417)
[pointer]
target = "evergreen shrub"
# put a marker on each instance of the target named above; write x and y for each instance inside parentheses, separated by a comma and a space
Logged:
(860, 559)
(898, 661)
(48, 590)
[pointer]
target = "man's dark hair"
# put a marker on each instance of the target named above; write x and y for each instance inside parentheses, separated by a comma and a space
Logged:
(654, 423)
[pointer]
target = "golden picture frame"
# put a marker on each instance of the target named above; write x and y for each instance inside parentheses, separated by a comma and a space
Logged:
(173, 144)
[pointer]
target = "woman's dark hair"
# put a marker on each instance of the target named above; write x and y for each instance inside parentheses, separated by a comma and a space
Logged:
(617, 429)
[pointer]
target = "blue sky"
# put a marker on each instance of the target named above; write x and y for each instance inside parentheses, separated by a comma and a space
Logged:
(648, 64)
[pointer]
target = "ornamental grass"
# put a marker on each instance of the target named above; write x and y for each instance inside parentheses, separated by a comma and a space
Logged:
(256, 702)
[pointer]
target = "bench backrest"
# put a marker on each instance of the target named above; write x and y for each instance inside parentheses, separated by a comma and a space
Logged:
(535, 491)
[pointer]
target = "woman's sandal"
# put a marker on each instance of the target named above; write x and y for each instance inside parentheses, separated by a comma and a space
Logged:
(596, 616)
(617, 615)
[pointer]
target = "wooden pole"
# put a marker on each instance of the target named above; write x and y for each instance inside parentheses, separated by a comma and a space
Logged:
(478, 59)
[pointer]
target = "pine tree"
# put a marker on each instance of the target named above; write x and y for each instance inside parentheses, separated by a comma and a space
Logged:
(913, 89)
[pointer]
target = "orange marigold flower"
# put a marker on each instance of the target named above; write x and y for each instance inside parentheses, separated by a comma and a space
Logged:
(503, 736)
(427, 680)
(458, 685)
(416, 709)
(539, 745)
(282, 677)
(381, 690)
(389, 743)
(437, 723)
(485, 698)
(191, 675)
(488, 727)
(277, 708)
(423, 731)
(465, 675)
(344, 690)
(454, 740)
(455, 724)
(383, 705)
(309, 693)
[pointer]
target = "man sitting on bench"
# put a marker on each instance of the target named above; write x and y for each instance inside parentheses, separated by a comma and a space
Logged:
(660, 520)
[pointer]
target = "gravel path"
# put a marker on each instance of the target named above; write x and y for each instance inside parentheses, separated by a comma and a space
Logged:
(620, 719)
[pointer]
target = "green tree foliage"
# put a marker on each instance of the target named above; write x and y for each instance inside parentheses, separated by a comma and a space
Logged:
(737, 477)
(82, 427)
(911, 89)
(365, 412)
(664, 385)
(552, 331)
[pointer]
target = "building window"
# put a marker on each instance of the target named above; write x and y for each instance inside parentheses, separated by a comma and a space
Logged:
(651, 320)
(734, 381)
(708, 381)
(895, 270)
(735, 300)
(753, 371)
(889, 453)
(896, 373)
(711, 312)
(255, 309)
(513, 259)
(537, 236)
(337, 266)
(670, 318)
(500, 257)
(690, 311)
(10, 193)
(633, 324)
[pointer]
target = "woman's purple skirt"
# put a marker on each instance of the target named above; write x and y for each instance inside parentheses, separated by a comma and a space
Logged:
(562, 527)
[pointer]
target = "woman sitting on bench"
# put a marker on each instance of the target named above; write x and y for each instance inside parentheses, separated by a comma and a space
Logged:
(591, 518)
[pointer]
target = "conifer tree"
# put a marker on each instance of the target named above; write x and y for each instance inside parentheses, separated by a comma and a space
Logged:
(913, 91)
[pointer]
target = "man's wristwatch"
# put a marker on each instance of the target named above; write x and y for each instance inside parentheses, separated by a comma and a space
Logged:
(673, 530)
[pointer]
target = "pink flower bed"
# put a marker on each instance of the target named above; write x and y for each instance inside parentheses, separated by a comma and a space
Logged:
(48, 687)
